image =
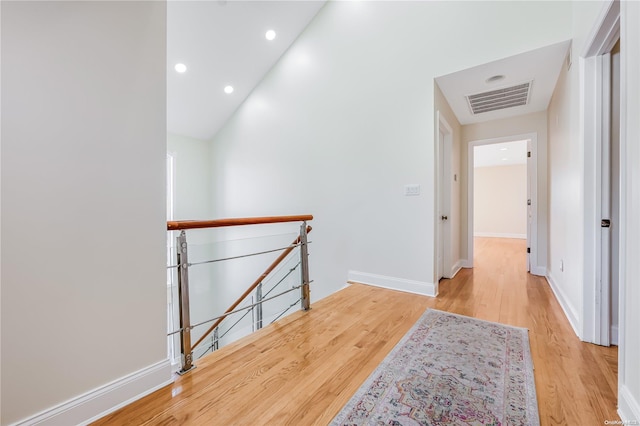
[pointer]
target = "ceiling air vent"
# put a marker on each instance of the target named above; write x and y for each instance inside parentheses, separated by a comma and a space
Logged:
(500, 98)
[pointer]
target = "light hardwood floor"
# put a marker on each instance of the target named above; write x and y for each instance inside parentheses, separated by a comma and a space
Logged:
(303, 369)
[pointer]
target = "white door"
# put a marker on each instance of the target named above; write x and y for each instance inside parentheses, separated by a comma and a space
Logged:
(529, 205)
(603, 287)
(615, 192)
(441, 208)
(607, 288)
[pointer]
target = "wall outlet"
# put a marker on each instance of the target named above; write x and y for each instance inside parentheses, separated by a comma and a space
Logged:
(412, 189)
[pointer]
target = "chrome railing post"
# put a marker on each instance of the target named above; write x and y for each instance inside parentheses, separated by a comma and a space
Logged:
(305, 300)
(259, 307)
(183, 298)
(215, 339)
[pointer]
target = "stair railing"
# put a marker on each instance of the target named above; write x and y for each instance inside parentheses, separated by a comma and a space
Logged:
(182, 265)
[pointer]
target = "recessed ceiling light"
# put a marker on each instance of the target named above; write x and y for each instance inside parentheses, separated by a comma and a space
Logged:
(503, 149)
(504, 159)
(495, 78)
(270, 35)
(228, 89)
(181, 68)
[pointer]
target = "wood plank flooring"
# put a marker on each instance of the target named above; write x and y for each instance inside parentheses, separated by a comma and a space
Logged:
(302, 370)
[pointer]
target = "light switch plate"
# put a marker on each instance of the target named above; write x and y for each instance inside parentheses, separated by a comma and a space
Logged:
(412, 189)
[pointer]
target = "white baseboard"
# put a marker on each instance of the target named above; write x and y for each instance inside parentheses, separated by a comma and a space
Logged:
(465, 263)
(540, 271)
(628, 406)
(410, 286)
(106, 399)
(455, 269)
(500, 235)
(567, 308)
(614, 336)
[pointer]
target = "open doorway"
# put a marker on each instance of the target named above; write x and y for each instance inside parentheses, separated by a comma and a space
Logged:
(502, 193)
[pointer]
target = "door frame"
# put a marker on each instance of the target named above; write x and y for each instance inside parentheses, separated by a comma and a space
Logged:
(443, 198)
(532, 182)
(595, 125)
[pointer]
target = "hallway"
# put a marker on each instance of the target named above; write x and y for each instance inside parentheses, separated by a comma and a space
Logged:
(303, 369)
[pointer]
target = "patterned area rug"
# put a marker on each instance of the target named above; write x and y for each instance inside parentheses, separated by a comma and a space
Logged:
(450, 370)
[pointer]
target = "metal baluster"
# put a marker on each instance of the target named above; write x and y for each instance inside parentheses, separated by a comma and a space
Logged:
(259, 307)
(215, 339)
(304, 268)
(183, 299)
(253, 316)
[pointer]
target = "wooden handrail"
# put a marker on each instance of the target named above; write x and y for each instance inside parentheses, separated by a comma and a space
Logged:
(253, 286)
(218, 223)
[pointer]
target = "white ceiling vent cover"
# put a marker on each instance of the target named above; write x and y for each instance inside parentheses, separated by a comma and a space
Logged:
(500, 98)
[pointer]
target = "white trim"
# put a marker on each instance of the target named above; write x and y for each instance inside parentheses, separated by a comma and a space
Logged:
(629, 83)
(401, 284)
(455, 269)
(567, 308)
(465, 263)
(346, 285)
(595, 316)
(628, 407)
(604, 35)
(614, 335)
(532, 178)
(443, 193)
(105, 399)
(500, 235)
(540, 271)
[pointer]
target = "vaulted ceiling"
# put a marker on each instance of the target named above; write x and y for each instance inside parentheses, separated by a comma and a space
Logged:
(223, 43)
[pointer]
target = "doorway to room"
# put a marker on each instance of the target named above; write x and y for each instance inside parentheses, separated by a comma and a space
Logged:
(502, 194)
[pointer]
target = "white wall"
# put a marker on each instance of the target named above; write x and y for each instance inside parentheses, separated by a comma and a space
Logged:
(192, 182)
(441, 105)
(528, 123)
(565, 215)
(500, 201)
(83, 204)
(345, 120)
(629, 351)
(567, 175)
(192, 201)
(569, 198)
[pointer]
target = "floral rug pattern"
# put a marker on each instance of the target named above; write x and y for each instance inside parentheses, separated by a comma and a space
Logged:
(450, 370)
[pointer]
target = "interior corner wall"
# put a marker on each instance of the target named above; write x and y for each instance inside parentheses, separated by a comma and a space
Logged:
(441, 105)
(83, 202)
(192, 179)
(344, 121)
(500, 201)
(529, 123)
(629, 350)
